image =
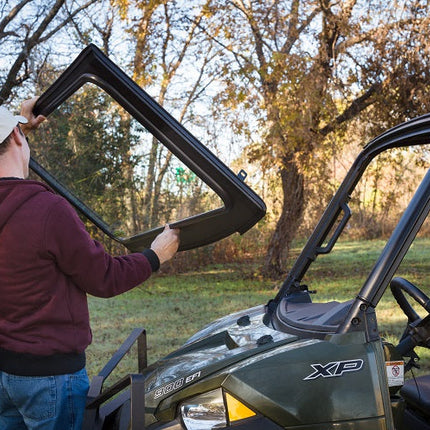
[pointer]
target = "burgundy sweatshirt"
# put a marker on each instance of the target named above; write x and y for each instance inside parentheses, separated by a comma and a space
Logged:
(48, 264)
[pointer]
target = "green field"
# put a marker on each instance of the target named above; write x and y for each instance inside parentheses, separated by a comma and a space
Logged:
(172, 308)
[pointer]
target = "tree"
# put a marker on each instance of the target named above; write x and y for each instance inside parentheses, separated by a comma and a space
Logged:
(307, 68)
(26, 29)
(166, 40)
(298, 70)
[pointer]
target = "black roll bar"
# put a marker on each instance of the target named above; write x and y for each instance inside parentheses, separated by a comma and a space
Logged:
(412, 133)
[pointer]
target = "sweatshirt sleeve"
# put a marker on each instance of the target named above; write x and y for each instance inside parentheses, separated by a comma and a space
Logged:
(85, 261)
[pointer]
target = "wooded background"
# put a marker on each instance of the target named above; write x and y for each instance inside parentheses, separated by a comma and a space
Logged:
(289, 90)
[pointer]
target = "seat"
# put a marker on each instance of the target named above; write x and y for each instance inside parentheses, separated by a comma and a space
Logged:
(416, 393)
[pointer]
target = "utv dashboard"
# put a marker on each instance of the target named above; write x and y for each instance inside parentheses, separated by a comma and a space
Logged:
(241, 209)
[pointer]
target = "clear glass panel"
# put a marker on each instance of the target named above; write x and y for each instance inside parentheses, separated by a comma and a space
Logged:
(114, 165)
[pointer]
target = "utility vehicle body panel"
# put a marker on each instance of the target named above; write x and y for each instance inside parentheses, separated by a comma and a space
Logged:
(249, 362)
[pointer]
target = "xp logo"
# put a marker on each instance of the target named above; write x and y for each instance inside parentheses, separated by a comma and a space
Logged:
(335, 368)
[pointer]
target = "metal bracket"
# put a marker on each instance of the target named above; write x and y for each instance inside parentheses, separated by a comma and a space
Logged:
(101, 404)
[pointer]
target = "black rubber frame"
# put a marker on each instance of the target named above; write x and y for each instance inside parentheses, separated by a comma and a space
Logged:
(242, 207)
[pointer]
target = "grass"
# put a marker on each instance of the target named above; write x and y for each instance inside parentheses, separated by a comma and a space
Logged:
(172, 308)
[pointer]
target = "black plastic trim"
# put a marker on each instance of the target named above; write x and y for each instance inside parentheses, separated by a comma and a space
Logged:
(411, 133)
(242, 207)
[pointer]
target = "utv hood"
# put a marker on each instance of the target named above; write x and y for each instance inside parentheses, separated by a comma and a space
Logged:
(219, 345)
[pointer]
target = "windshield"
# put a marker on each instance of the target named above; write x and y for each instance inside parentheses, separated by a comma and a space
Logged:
(115, 166)
(139, 170)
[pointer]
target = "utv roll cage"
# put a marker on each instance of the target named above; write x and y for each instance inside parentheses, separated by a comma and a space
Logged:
(360, 315)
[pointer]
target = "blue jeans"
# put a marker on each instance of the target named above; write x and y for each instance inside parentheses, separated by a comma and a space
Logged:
(43, 403)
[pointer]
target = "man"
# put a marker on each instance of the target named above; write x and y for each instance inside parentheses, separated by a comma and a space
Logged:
(48, 263)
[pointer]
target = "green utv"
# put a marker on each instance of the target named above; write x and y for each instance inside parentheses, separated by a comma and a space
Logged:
(291, 363)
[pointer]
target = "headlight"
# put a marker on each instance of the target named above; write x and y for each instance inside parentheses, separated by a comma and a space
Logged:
(213, 410)
(206, 411)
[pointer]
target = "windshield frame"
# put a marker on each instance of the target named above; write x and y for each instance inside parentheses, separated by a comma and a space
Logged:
(242, 209)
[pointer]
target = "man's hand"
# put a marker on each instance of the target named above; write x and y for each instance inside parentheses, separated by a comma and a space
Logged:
(166, 244)
(27, 111)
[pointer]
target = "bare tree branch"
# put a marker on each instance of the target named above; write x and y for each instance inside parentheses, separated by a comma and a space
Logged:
(32, 40)
(379, 32)
(69, 19)
(173, 66)
(10, 16)
(355, 107)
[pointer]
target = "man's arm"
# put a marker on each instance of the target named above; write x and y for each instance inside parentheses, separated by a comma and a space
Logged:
(84, 260)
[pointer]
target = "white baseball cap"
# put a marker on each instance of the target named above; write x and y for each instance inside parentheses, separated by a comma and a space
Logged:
(8, 122)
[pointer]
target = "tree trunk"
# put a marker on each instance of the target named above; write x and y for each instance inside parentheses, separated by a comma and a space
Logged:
(291, 216)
